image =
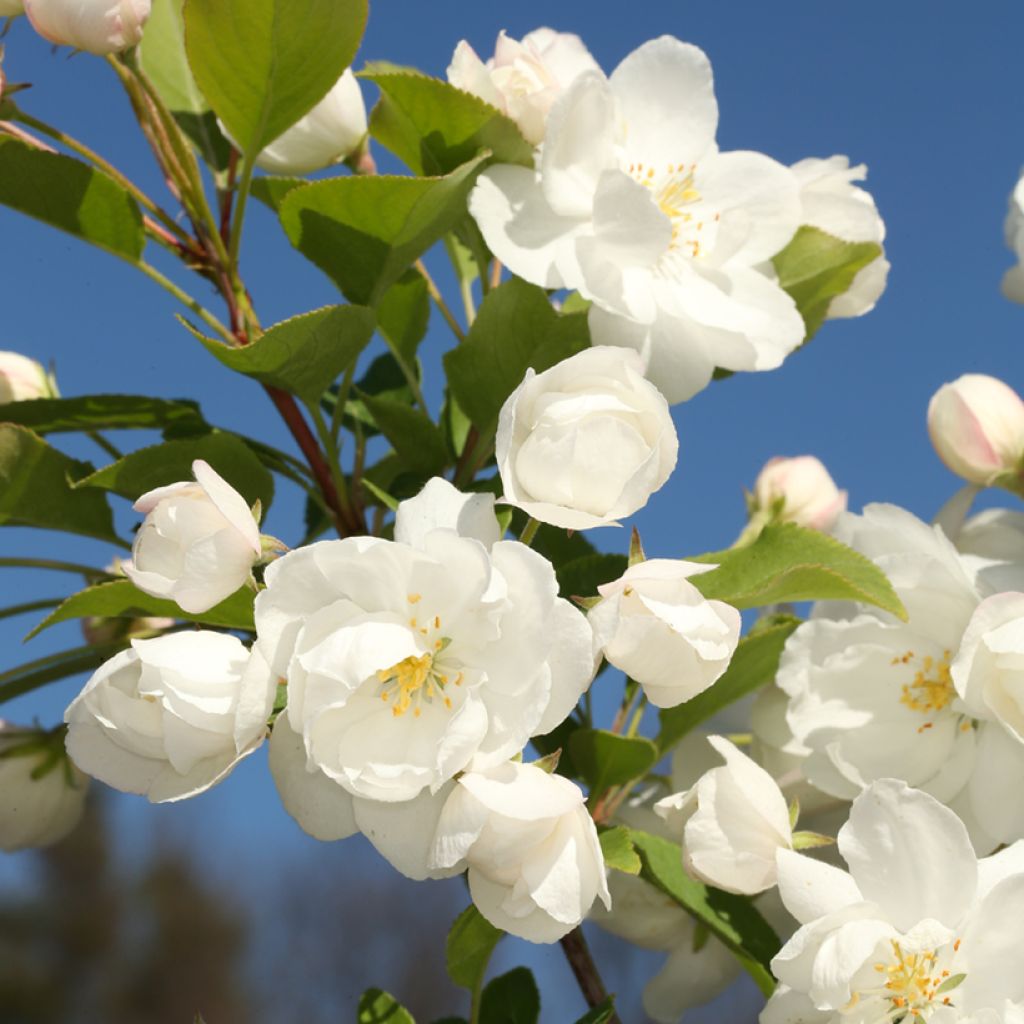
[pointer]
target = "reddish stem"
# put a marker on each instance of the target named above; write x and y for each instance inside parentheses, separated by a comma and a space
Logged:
(577, 952)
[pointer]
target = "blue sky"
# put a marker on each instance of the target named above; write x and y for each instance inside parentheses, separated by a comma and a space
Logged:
(927, 96)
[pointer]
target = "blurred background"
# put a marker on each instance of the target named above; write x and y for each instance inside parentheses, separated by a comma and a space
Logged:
(222, 904)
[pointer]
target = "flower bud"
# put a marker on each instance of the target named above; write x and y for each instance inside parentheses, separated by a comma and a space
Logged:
(976, 424)
(22, 379)
(586, 442)
(798, 490)
(333, 130)
(96, 26)
(523, 79)
(535, 863)
(197, 544)
(42, 796)
(171, 717)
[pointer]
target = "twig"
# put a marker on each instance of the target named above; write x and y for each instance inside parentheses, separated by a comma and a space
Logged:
(577, 952)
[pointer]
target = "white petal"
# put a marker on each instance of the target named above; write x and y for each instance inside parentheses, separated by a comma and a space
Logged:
(229, 502)
(439, 505)
(811, 888)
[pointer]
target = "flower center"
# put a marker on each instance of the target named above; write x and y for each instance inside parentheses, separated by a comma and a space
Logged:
(932, 686)
(913, 985)
(675, 195)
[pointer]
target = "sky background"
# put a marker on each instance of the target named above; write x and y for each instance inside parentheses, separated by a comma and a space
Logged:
(928, 98)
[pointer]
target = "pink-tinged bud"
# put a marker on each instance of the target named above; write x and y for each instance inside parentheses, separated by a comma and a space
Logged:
(22, 379)
(96, 26)
(798, 490)
(976, 424)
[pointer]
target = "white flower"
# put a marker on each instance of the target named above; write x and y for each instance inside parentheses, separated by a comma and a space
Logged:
(736, 819)
(331, 131)
(586, 442)
(633, 205)
(657, 627)
(918, 929)
(97, 26)
(833, 204)
(1013, 279)
(799, 490)
(36, 811)
(992, 543)
(22, 379)
(976, 424)
(408, 661)
(871, 697)
(523, 79)
(535, 863)
(197, 544)
(171, 716)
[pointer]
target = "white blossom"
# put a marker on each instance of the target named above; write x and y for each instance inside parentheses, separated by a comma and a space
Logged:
(586, 442)
(97, 26)
(40, 810)
(523, 78)
(170, 717)
(658, 628)
(834, 204)
(798, 490)
(991, 543)
(535, 863)
(633, 205)
(22, 379)
(411, 660)
(197, 544)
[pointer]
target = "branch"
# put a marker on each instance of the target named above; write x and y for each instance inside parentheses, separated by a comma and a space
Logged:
(577, 952)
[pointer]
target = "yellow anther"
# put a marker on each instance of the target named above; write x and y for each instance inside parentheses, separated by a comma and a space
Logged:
(414, 598)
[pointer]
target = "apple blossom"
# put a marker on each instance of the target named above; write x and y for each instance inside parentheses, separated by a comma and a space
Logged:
(633, 205)
(657, 627)
(834, 204)
(333, 130)
(197, 544)
(586, 442)
(976, 424)
(170, 717)
(1013, 279)
(408, 661)
(798, 490)
(41, 797)
(535, 863)
(22, 379)
(523, 78)
(992, 544)
(917, 929)
(736, 819)
(96, 26)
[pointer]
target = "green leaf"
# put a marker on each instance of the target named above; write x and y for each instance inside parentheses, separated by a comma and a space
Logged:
(516, 329)
(792, 563)
(170, 462)
(105, 412)
(35, 488)
(404, 314)
(618, 850)
(434, 127)
(68, 194)
(512, 998)
(31, 676)
(417, 440)
(365, 232)
(303, 355)
(733, 919)
(264, 64)
(582, 576)
(816, 267)
(121, 599)
(606, 759)
(752, 666)
(29, 606)
(599, 1014)
(377, 1007)
(471, 942)
(271, 190)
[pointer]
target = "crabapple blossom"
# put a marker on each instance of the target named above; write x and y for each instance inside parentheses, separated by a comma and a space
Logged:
(96, 26)
(41, 801)
(198, 542)
(524, 77)
(658, 628)
(976, 424)
(408, 661)
(170, 717)
(798, 490)
(632, 204)
(834, 204)
(535, 863)
(992, 544)
(1013, 279)
(586, 442)
(22, 379)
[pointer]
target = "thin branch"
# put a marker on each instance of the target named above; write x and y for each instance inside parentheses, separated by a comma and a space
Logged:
(435, 294)
(577, 952)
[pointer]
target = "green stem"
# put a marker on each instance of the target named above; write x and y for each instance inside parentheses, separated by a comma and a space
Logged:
(112, 450)
(30, 606)
(332, 452)
(638, 714)
(529, 531)
(186, 300)
(241, 202)
(407, 372)
(435, 294)
(46, 563)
